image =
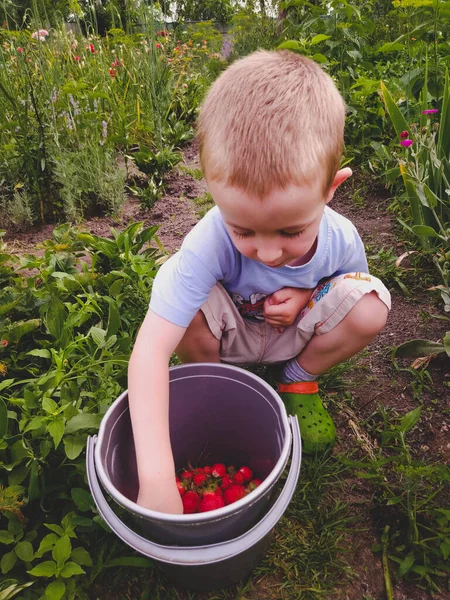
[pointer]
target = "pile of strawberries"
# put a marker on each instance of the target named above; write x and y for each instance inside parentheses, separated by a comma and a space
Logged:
(207, 488)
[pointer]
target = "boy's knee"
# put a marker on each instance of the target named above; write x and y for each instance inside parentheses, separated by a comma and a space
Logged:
(198, 343)
(369, 315)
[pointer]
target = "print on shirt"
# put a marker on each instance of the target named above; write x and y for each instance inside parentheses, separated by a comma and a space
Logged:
(251, 308)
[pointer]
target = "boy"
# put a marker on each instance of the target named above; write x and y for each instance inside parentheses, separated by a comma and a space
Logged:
(271, 274)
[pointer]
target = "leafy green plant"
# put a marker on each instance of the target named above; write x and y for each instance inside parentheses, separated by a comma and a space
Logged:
(155, 165)
(409, 492)
(66, 335)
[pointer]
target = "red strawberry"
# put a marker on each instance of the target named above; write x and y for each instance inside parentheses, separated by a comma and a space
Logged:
(210, 501)
(186, 475)
(254, 484)
(180, 486)
(227, 480)
(233, 493)
(191, 500)
(218, 491)
(200, 470)
(247, 473)
(200, 479)
(218, 470)
(207, 470)
(239, 478)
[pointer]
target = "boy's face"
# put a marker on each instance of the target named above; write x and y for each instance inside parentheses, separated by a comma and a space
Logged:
(280, 229)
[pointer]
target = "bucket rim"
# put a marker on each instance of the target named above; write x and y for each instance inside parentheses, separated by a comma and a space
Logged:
(206, 517)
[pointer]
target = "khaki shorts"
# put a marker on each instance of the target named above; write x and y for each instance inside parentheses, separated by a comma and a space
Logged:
(246, 342)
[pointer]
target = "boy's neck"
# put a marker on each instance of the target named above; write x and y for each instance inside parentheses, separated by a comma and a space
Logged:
(302, 260)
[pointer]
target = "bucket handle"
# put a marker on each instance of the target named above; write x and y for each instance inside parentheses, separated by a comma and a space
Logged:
(191, 555)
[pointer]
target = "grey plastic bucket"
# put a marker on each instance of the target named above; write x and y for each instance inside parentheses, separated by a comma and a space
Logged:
(218, 413)
(212, 566)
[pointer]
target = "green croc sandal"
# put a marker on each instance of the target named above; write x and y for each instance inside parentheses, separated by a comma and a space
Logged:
(316, 426)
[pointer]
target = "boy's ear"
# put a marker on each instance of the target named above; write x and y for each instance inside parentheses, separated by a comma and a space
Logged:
(339, 178)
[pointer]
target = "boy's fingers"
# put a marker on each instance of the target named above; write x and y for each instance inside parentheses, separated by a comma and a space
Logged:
(280, 296)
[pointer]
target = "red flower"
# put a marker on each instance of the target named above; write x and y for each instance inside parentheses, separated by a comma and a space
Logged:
(19, 49)
(404, 135)
(112, 72)
(92, 48)
(158, 45)
(77, 58)
(4, 343)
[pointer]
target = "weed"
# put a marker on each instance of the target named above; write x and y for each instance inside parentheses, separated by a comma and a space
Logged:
(410, 494)
(196, 174)
(204, 204)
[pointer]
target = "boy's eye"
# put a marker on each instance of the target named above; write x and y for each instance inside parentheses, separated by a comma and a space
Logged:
(290, 235)
(241, 235)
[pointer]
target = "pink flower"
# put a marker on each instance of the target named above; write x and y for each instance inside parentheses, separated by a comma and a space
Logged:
(112, 72)
(77, 58)
(158, 45)
(406, 143)
(404, 134)
(41, 34)
(20, 49)
(92, 48)
(4, 343)
(430, 111)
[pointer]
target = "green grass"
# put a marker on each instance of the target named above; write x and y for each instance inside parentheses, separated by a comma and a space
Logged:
(203, 203)
(196, 174)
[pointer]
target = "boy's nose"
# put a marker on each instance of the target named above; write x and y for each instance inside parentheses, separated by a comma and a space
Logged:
(269, 255)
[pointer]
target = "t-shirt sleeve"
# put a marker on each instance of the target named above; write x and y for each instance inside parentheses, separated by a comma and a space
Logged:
(348, 248)
(184, 282)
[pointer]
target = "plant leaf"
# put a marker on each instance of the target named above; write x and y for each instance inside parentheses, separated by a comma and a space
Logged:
(419, 348)
(321, 37)
(24, 551)
(406, 565)
(56, 430)
(44, 569)
(62, 550)
(70, 569)
(73, 446)
(446, 343)
(41, 352)
(55, 590)
(3, 419)
(82, 557)
(55, 318)
(83, 421)
(82, 499)
(410, 419)
(8, 561)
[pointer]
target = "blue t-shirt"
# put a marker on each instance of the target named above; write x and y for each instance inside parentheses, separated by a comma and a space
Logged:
(208, 256)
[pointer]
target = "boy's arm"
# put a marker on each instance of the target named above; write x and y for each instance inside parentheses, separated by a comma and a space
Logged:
(148, 389)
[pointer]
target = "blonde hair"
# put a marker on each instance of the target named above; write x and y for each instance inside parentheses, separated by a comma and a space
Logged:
(270, 120)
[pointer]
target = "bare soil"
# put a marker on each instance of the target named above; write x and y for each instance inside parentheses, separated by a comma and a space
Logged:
(373, 382)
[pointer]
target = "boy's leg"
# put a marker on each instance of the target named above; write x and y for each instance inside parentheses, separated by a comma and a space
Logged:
(198, 343)
(219, 333)
(344, 315)
(356, 330)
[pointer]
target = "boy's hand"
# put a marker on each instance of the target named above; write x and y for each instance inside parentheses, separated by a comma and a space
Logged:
(161, 495)
(282, 308)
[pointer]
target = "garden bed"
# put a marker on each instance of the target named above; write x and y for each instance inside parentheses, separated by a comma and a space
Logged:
(368, 392)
